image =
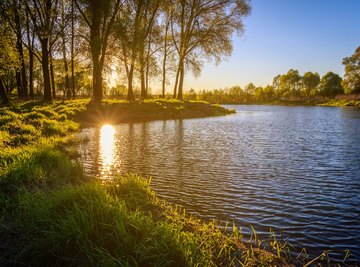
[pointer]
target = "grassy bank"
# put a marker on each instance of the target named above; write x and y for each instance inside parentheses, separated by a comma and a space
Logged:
(115, 111)
(339, 101)
(334, 102)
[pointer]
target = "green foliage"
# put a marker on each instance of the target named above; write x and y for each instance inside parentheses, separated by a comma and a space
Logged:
(330, 84)
(351, 80)
(310, 81)
(9, 56)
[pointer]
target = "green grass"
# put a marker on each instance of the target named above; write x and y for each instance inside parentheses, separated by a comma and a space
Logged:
(122, 223)
(115, 111)
(341, 103)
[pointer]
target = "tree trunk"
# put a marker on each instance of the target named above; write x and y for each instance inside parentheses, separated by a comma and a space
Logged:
(176, 82)
(3, 95)
(142, 71)
(31, 74)
(147, 77)
(67, 91)
(181, 81)
(164, 73)
(72, 50)
(165, 57)
(130, 96)
(45, 68)
(95, 43)
(147, 69)
(23, 77)
(67, 84)
(31, 57)
(53, 87)
(97, 82)
(19, 84)
(143, 86)
(23, 80)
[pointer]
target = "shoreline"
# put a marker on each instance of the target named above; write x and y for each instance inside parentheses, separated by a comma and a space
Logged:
(309, 102)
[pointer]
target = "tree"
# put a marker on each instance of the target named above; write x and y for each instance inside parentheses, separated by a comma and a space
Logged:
(290, 83)
(99, 16)
(203, 29)
(166, 50)
(9, 57)
(330, 85)
(30, 34)
(269, 92)
(249, 91)
(134, 31)
(351, 80)
(14, 14)
(43, 15)
(310, 80)
(63, 23)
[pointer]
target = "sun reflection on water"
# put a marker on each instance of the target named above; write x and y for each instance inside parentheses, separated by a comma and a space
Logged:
(107, 146)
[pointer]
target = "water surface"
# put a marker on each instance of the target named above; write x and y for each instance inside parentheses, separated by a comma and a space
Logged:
(295, 170)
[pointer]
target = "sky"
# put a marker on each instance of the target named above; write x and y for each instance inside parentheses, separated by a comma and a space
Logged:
(307, 35)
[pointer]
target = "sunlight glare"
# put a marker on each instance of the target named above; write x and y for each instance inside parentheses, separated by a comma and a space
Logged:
(107, 145)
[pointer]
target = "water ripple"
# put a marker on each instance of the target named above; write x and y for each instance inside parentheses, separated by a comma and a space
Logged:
(295, 170)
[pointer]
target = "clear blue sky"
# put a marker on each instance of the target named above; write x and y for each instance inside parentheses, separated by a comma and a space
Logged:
(308, 35)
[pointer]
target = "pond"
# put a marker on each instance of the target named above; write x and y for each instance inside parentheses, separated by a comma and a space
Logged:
(295, 170)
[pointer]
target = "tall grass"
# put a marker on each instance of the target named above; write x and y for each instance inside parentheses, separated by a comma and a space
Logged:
(100, 225)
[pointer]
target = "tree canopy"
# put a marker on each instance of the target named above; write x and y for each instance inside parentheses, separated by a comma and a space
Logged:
(351, 80)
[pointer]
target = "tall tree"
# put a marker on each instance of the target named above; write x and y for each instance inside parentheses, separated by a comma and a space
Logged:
(134, 29)
(30, 34)
(310, 80)
(9, 56)
(203, 28)
(166, 49)
(99, 17)
(330, 84)
(72, 54)
(13, 12)
(22, 83)
(351, 80)
(290, 83)
(63, 22)
(43, 15)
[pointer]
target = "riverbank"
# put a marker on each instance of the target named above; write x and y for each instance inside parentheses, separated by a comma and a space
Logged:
(338, 101)
(117, 111)
(52, 214)
(334, 102)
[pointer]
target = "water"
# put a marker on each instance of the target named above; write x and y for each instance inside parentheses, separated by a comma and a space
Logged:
(295, 170)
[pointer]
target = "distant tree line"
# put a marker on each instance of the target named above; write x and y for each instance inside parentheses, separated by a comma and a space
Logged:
(290, 85)
(67, 47)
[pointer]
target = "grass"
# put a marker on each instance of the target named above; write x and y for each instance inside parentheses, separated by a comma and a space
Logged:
(119, 224)
(338, 101)
(51, 214)
(115, 111)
